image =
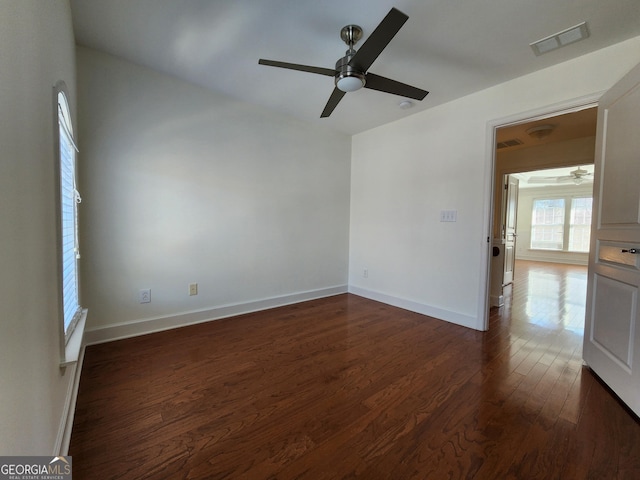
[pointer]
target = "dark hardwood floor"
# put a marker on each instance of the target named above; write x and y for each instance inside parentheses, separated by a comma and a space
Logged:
(345, 387)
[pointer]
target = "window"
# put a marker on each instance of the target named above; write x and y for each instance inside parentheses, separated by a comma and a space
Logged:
(547, 224)
(580, 224)
(553, 227)
(68, 201)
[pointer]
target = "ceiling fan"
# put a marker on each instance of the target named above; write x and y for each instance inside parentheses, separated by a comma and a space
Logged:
(576, 176)
(351, 73)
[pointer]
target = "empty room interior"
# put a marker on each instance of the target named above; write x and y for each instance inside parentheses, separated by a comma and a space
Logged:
(321, 239)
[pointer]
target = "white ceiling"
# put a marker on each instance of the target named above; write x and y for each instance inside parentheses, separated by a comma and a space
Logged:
(451, 48)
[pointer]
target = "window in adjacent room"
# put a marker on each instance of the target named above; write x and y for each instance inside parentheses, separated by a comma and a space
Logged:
(554, 227)
(580, 224)
(547, 224)
(68, 201)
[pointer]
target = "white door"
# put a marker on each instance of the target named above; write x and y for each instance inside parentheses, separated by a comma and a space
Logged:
(612, 325)
(512, 186)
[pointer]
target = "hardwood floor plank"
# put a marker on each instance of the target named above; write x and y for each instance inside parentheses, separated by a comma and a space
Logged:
(345, 387)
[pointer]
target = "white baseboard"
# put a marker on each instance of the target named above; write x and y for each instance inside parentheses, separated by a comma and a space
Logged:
(553, 259)
(497, 300)
(142, 327)
(435, 312)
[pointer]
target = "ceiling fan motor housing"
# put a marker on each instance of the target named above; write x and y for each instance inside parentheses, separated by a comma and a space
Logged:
(348, 78)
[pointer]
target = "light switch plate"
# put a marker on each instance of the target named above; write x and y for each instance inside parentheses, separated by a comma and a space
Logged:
(448, 215)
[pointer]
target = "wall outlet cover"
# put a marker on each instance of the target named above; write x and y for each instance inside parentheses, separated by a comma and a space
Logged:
(144, 295)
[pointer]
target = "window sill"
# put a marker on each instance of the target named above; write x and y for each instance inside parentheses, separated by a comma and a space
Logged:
(74, 345)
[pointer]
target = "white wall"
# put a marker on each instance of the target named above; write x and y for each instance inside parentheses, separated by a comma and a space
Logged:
(525, 208)
(404, 173)
(37, 50)
(182, 185)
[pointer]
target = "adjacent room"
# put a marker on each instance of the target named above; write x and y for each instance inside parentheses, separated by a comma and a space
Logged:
(273, 239)
(543, 193)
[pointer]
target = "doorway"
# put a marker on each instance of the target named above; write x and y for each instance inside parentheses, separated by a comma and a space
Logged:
(549, 155)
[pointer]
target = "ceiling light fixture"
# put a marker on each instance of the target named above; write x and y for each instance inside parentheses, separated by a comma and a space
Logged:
(350, 83)
(405, 104)
(540, 131)
(560, 39)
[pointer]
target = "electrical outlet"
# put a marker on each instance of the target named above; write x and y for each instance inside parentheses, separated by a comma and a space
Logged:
(144, 295)
(365, 273)
(193, 289)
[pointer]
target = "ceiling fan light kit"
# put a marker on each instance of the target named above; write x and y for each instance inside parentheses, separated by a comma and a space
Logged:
(351, 71)
(348, 78)
(350, 83)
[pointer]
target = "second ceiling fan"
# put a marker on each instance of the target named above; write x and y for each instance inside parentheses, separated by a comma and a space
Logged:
(577, 176)
(351, 73)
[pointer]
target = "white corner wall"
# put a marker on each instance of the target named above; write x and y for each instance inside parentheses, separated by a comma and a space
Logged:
(404, 173)
(182, 185)
(37, 50)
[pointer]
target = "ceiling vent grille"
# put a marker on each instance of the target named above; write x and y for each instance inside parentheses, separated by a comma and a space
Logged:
(560, 39)
(509, 143)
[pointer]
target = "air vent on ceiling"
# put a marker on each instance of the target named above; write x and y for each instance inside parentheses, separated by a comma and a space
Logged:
(560, 39)
(509, 143)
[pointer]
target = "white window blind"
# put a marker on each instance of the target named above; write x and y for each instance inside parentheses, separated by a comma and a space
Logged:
(556, 227)
(580, 228)
(69, 200)
(547, 224)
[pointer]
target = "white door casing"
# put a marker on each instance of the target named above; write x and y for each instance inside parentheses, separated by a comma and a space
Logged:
(612, 323)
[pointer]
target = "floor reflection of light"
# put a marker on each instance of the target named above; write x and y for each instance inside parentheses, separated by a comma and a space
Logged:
(555, 296)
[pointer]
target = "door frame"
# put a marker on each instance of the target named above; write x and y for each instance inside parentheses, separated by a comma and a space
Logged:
(541, 113)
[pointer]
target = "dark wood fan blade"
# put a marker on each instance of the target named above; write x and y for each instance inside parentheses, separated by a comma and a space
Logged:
(378, 40)
(383, 84)
(329, 72)
(334, 99)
